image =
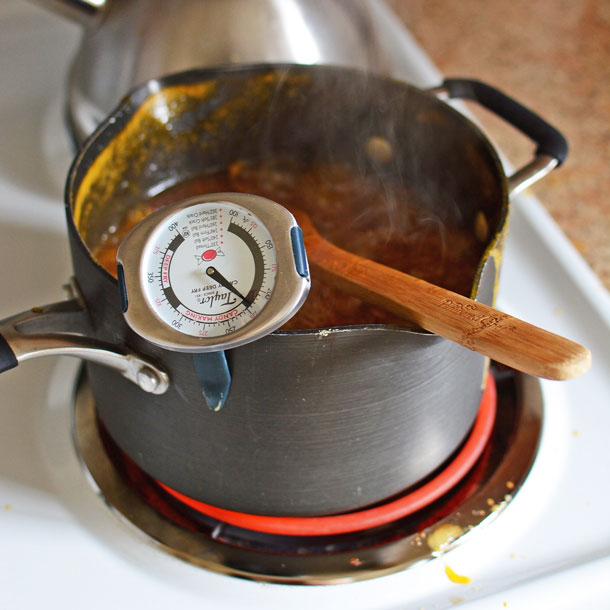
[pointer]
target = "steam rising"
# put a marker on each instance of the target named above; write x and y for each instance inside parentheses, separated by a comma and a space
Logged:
(372, 161)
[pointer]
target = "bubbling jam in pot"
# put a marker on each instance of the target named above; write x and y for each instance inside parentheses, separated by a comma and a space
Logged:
(359, 213)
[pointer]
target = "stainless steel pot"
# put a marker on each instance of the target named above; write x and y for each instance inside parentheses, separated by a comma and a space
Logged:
(317, 421)
(125, 44)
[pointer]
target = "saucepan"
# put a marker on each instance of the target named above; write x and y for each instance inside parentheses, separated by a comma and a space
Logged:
(337, 411)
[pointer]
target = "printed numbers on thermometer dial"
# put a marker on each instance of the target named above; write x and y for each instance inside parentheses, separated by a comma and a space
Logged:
(209, 269)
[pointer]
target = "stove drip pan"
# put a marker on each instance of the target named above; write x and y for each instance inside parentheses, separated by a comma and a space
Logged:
(204, 541)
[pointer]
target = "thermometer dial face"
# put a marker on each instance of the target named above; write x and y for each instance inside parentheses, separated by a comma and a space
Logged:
(212, 272)
(209, 269)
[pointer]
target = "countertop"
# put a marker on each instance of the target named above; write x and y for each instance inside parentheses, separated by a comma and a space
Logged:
(554, 57)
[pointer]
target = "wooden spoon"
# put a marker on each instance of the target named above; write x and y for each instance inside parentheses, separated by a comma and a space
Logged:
(474, 325)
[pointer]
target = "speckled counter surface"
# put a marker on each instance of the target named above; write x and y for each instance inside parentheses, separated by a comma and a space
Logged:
(553, 56)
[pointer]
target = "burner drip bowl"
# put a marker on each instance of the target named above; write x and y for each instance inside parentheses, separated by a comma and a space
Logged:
(477, 499)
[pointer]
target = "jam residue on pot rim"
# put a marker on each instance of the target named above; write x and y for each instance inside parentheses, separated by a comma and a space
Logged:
(359, 213)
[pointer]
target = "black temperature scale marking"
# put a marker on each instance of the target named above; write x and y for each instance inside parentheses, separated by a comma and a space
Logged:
(251, 244)
(259, 263)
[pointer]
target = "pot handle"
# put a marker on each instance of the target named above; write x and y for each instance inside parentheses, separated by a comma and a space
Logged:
(552, 147)
(38, 332)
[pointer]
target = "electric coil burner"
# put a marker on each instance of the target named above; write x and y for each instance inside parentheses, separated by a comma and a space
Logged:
(470, 490)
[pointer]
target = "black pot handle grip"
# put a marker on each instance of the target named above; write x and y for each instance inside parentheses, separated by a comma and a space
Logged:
(8, 360)
(548, 139)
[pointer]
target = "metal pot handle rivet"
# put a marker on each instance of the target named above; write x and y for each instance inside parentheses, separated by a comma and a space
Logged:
(37, 332)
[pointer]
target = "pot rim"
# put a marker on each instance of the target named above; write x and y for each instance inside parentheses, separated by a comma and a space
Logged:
(123, 112)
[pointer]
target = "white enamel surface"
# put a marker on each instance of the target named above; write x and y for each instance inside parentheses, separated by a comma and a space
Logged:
(61, 547)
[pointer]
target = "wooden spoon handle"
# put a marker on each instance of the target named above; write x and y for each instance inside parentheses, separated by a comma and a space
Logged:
(474, 325)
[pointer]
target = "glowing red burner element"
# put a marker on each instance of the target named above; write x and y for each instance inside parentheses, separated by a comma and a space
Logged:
(209, 255)
(371, 517)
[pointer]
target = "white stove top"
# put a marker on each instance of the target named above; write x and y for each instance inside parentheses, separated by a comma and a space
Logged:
(62, 547)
